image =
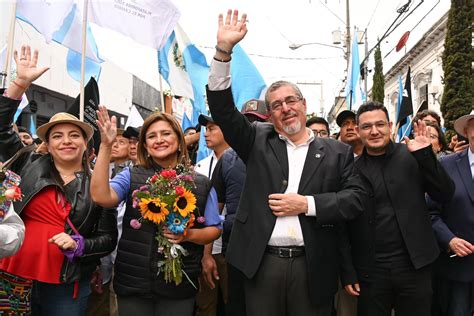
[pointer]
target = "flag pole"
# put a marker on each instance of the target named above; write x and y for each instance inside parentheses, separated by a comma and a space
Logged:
(161, 86)
(83, 61)
(11, 35)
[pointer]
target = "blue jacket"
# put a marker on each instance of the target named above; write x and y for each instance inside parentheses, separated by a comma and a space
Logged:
(455, 219)
(231, 175)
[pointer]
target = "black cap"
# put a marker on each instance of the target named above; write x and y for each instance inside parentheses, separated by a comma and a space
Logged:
(341, 117)
(204, 119)
(131, 132)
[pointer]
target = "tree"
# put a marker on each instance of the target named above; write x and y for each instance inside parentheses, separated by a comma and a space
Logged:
(458, 95)
(378, 87)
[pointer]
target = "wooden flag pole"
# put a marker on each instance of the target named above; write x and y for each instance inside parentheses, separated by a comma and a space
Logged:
(11, 36)
(83, 61)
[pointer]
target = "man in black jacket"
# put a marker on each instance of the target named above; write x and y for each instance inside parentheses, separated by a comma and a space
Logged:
(392, 243)
(297, 189)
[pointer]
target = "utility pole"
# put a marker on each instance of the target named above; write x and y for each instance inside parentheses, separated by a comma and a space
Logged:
(348, 34)
(366, 62)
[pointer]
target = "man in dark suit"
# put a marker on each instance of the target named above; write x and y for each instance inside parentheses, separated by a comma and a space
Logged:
(392, 243)
(453, 224)
(298, 187)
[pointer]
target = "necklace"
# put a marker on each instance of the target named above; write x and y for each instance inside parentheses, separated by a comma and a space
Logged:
(67, 176)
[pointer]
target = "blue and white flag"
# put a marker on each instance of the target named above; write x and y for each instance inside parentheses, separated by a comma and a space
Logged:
(247, 82)
(354, 95)
(186, 122)
(185, 69)
(69, 35)
(46, 16)
(33, 127)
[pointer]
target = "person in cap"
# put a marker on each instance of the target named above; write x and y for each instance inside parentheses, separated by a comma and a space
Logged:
(191, 136)
(208, 297)
(132, 134)
(349, 135)
(453, 223)
(66, 232)
(25, 136)
(298, 188)
(319, 126)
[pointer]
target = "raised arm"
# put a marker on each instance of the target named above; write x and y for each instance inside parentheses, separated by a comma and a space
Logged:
(26, 73)
(101, 191)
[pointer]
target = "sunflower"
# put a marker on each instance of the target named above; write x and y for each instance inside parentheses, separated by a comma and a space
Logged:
(153, 209)
(185, 203)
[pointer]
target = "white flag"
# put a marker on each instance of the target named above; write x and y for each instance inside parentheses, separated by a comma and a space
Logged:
(149, 22)
(134, 119)
(46, 16)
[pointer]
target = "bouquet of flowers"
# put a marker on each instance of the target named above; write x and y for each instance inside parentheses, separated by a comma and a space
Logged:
(167, 201)
(9, 190)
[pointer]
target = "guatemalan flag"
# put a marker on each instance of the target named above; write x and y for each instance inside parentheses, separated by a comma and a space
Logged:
(61, 21)
(354, 95)
(185, 69)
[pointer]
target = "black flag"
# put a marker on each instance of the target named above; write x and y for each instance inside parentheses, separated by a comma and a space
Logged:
(91, 105)
(406, 108)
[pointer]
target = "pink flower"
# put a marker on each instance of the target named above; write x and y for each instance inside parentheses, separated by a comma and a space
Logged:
(143, 188)
(13, 194)
(186, 177)
(179, 190)
(135, 224)
(201, 219)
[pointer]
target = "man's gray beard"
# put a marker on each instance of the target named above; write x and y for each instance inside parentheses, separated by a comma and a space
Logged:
(293, 128)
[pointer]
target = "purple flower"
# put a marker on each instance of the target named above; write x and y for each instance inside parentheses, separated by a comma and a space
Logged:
(201, 219)
(135, 224)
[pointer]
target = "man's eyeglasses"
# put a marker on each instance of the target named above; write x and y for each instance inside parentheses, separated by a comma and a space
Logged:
(289, 101)
(368, 126)
(321, 133)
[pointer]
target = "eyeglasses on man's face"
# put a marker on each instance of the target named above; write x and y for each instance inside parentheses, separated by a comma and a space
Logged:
(367, 127)
(321, 133)
(289, 101)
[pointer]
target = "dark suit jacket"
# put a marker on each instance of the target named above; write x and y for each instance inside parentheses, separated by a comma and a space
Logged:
(455, 219)
(327, 175)
(408, 176)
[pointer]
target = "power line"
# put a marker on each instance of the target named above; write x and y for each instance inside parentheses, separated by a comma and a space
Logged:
(282, 57)
(332, 12)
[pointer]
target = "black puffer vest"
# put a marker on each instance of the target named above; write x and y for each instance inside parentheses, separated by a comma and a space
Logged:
(136, 266)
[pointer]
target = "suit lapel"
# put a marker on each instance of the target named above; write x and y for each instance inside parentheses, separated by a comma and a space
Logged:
(465, 172)
(279, 149)
(314, 157)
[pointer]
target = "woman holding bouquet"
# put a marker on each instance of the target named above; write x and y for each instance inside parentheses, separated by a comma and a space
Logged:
(66, 233)
(153, 235)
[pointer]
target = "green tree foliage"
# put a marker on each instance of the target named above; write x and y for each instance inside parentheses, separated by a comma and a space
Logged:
(458, 55)
(378, 88)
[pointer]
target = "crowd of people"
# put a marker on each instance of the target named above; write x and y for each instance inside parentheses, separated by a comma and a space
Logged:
(290, 220)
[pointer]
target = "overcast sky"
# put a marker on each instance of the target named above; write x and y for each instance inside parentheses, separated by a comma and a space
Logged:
(274, 25)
